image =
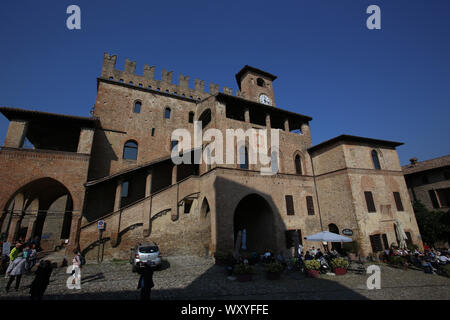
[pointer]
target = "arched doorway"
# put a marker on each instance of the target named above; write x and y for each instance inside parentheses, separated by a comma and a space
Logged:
(254, 214)
(205, 224)
(335, 245)
(41, 208)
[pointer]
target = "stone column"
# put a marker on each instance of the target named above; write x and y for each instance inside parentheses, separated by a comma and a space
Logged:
(286, 125)
(118, 197)
(174, 174)
(268, 124)
(74, 228)
(85, 140)
(146, 216)
(14, 227)
(30, 230)
(247, 115)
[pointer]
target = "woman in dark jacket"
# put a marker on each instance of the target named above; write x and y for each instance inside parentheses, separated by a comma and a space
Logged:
(146, 281)
(41, 280)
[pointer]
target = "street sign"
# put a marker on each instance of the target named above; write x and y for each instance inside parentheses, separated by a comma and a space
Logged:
(347, 232)
(101, 225)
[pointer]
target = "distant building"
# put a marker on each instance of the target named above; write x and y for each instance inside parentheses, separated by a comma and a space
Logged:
(429, 182)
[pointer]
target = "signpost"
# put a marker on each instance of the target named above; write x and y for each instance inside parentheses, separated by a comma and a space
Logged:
(347, 232)
(100, 227)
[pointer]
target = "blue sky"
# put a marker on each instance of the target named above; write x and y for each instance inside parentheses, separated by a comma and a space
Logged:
(392, 83)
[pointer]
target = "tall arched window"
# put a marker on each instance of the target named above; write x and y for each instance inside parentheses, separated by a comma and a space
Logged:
(137, 107)
(274, 161)
(167, 113)
(243, 157)
(298, 164)
(130, 150)
(376, 161)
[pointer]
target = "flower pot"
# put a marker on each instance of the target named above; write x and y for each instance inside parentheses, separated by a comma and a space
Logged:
(340, 271)
(312, 273)
(273, 275)
(244, 277)
(352, 256)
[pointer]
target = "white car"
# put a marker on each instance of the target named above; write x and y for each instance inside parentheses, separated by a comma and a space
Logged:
(143, 253)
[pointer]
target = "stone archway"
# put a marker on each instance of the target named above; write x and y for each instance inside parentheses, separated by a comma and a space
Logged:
(205, 225)
(254, 214)
(41, 208)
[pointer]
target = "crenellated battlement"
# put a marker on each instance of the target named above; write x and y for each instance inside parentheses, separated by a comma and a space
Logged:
(166, 84)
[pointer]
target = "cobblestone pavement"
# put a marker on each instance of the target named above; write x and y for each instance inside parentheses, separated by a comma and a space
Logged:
(187, 277)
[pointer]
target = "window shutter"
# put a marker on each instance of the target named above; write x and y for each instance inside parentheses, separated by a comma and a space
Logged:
(369, 201)
(310, 205)
(289, 205)
(398, 201)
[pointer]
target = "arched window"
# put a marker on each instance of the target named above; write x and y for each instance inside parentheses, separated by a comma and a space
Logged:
(260, 82)
(137, 107)
(376, 161)
(205, 118)
(298, 164)
(191, 117)
(243, 157)
(274, 161)
(130, 150)
(167, 113)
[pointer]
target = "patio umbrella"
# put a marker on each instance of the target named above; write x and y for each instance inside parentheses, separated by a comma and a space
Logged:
(244, 240)
(238, 245)
(401, 235)
(328, 237)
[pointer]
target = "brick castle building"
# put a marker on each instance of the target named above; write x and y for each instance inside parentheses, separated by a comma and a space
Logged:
(115, 166)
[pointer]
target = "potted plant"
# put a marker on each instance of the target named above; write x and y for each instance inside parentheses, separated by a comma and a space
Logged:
(243, 272)
(273, 270)
(339, 266)
(312, 268)
(223, 258)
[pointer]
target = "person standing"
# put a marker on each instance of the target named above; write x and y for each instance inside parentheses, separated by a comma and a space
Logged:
(15, 270)
(41, 280)
(15, 252)
(146, 281)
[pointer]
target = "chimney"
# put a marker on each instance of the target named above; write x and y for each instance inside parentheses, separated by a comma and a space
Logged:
(413, 161)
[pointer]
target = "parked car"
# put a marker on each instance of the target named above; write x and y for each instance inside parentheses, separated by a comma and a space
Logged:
(143, 253)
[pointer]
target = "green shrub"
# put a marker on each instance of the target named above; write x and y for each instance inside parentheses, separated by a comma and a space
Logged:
(339, 263)
(447, 270)
(396, 261)
(312, 264)
(222, 257)
(274, 267)
(243, 269)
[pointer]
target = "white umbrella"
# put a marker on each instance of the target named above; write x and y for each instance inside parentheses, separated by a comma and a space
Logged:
(244, 240)
(401, 235)
(328, 237)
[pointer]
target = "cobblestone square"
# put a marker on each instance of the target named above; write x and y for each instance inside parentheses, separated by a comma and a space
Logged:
(194, 278)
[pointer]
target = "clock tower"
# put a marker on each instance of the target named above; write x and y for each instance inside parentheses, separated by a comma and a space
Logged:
(256, 85)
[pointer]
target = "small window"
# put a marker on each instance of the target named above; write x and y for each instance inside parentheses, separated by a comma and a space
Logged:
(140, 85)
(125, 186)
(149, 87)
(130, 150)
(376, 161)
(369, 201)
(187, 205)
(167, 113)
(243, 157)
(174, 145)
(131, 83)
(398, 201)
(153, 132)
(298, 164)
(310, 205)
(121, 80)
(137, 107)
(111, 78)
(260, 82)
(191, 117)
(289, 205)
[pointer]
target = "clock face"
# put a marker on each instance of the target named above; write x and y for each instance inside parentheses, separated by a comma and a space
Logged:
(264, 99)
